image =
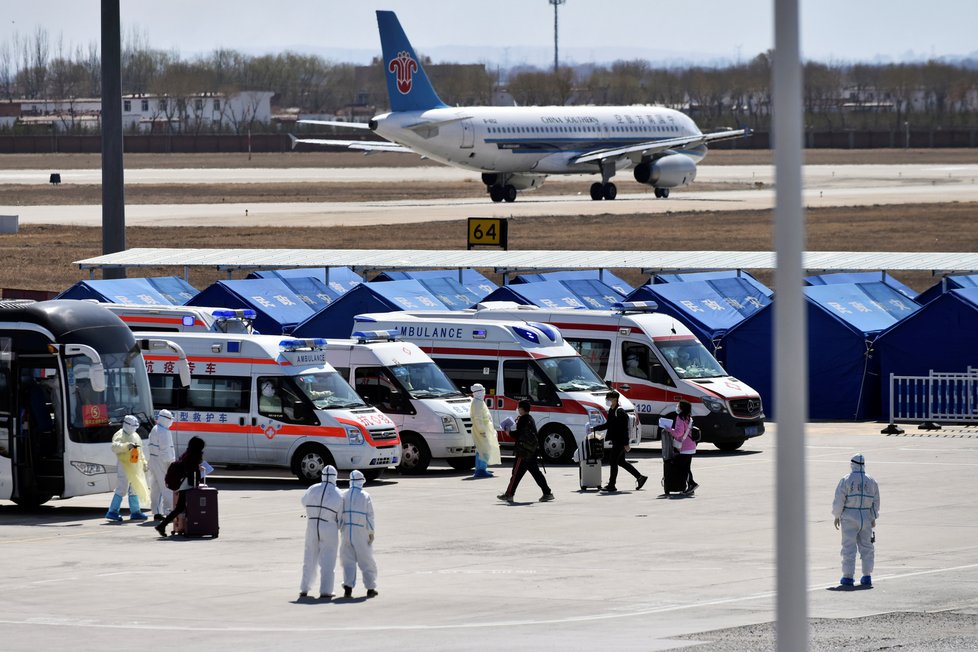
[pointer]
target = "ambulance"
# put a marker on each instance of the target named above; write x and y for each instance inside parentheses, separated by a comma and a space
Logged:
(267, 400)
(399, 379)
(183, 319)
(513, 360)
(655, 361)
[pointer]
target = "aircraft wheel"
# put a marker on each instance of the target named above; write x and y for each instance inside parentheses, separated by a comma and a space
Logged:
(665, 193)
(658, 192)
(597, 191)
(509, 193)
(610, 191)
(496, 193)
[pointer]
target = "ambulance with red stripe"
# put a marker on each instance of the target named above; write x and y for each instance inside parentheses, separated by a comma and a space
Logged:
(655, 361)
(182, 319)
(513, 360)
(267, 400)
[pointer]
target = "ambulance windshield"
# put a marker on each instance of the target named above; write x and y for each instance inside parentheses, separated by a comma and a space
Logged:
(690, 359)
(425, 380)
(571, 374)
(328, 391)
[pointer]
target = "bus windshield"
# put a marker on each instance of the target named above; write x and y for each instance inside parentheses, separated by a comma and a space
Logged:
(690, 359)
(328, 391)
(571, 374)
(95, 416)
(425, 380)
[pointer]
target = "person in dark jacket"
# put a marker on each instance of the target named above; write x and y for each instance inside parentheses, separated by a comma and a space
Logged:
(191, 461)
(525, 451)
(617, 427)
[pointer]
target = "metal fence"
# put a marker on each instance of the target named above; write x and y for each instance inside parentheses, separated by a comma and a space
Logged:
(938, 397)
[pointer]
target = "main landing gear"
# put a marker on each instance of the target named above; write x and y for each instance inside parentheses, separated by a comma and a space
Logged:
(601, 191)
(662, 193)
(505, 193)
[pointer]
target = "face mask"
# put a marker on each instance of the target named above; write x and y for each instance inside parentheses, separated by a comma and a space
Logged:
(267, 390)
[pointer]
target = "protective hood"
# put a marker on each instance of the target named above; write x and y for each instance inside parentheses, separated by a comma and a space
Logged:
(130, 424)
(329, 474)
(356, 480)
(857, 463)
(267, 390)
(164, 419)
(478, 392)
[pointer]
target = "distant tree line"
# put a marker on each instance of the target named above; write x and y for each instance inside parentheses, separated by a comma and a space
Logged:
(838, 96)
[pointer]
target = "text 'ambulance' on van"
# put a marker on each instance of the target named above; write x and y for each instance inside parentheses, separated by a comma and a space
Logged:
(270, 400)
(513, 360)
(655, 361)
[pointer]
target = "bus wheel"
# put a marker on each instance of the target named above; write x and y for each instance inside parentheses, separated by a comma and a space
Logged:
(31, 500)
(461, 463)
(371, 475)
(558, 444)
(415, 456)
(309, 461)
(729, 445)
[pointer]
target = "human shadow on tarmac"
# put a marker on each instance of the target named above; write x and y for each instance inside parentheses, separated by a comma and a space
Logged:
(844, 588)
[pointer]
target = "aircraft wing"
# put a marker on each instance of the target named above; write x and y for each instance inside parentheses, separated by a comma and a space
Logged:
(336, 123)
(368, 146)
(655, 146)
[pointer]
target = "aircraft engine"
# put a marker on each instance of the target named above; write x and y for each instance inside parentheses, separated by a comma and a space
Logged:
(666, 172)
(518, 181)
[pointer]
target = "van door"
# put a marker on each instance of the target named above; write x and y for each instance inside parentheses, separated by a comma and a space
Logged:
(217, 411)
(644, 378)
(283, 415)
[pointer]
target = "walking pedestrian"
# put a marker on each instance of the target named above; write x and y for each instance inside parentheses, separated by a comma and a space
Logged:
(161, 455)
(617, 427)
(190, 463)
(682, 437)
(483, 433)
(131, 471)
(525, 449)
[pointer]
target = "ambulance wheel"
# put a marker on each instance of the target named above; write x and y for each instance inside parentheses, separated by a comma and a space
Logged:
(309, 461)
(729, 445)
(461, 463)
(372, 475)
(558, 444)
(415, 456)
(31, 500)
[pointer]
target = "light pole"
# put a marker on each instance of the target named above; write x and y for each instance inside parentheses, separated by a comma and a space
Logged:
(556, 3)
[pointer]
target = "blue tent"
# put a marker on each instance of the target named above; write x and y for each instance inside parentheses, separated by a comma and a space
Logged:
(474, 282)
(341, 279)
(312, 291)
(947, 284)
(942, 336)
(277, 307)
(452, 293)
(122, 290)
(559, 294)
(174, 288)
(708, 308)
(336, 319)
(604, 276)
(862, 277)
(711, 276)
(843, 368)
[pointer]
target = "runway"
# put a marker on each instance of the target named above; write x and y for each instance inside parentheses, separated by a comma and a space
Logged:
(825, 185)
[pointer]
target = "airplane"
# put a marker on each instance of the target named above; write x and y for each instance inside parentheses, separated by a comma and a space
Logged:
(516, 147)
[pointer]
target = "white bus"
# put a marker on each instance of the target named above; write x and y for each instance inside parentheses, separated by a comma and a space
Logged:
(271, 400)
(69, 372)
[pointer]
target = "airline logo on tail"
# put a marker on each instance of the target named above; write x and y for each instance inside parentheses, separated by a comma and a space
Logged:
(404, 66)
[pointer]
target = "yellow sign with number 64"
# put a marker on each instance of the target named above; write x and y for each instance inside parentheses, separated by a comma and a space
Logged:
(488, 231)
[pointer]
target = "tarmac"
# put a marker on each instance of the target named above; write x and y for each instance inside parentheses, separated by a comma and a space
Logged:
(461, 570)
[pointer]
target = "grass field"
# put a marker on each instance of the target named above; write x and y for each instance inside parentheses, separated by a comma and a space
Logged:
(40, 257)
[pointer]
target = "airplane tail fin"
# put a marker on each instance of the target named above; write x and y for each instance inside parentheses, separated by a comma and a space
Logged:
(407, 84)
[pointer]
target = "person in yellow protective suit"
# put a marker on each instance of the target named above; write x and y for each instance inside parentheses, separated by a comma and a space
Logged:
(131, 472)
(484, 434)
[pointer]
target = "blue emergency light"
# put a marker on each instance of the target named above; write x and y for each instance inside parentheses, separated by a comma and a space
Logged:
(384, 335)
(547, 330)
(636, 306)
(189, 320)
(246, 313)
(527, 334)
(294, 344)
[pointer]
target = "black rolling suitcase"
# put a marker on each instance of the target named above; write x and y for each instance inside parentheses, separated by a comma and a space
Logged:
(673, 478)
(201, 512)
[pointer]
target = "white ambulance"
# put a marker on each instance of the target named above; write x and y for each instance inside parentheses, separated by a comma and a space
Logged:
(183, 319)
(267, 400)
(399, 379)
(513, 360)
(655, 361)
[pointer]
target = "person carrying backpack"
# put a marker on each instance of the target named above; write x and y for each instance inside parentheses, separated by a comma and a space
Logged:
(525, 456)
(617, 427)
(189, 466)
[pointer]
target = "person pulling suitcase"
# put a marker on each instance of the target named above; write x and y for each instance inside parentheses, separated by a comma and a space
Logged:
(190, 464)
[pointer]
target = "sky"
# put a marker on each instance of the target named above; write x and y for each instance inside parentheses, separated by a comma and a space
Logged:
(512, 32)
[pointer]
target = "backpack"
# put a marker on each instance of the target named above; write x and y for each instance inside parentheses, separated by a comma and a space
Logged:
(174, 475)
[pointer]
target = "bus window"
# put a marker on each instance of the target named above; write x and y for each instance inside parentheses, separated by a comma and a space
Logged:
(594, 352)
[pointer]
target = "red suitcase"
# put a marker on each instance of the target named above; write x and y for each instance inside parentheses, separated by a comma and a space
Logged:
(201, 512)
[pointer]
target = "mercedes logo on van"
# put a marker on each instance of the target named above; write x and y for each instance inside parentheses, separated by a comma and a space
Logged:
(753, 406)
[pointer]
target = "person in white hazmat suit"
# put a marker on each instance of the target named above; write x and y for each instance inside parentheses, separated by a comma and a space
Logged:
(484, 434)
(131, 471)
(357, 537)
(856, 508)
(323, 503)
(161, 455)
